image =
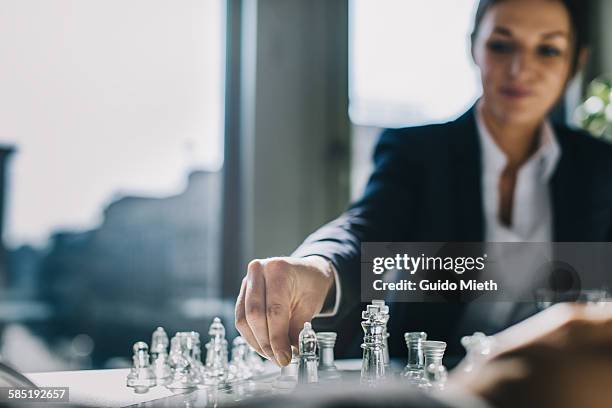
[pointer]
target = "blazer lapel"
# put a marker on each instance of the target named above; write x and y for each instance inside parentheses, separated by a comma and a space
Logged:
(466, 168)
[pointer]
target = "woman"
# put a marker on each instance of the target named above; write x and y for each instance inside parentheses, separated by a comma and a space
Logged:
(501, 172)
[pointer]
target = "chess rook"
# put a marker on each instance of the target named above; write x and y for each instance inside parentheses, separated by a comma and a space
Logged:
(415, 367)
(327, 366)
(435, 372)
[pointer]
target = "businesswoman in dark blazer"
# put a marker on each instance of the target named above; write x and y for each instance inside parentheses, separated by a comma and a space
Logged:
(501, 172)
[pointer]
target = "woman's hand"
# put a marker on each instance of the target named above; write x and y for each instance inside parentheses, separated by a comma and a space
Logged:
(559, 358)
(276, 297)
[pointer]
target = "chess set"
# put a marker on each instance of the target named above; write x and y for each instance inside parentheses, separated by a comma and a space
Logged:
(219, 379)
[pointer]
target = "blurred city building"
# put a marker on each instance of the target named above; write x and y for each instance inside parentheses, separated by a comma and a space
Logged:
(152, 261)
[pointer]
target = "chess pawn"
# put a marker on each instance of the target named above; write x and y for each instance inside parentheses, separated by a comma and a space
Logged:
(307, 369)
(385, 310)
(238, 367)
(477, 347)
(415, 367)
(435, 372)
(183, 376)
(141, 376)
(327, 367)
(159, 356)
(216, 354)
(255, 362)
(373, 366)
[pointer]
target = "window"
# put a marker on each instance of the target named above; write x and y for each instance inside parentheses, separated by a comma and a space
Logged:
(114, 110)
(409, 65)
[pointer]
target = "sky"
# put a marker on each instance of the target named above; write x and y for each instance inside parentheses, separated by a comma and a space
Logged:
(103, 98)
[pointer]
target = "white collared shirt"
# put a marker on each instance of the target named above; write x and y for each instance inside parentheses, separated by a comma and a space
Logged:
(532, 217)
(531, 206)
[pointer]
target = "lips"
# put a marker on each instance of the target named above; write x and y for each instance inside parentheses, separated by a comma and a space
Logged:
(516, 92)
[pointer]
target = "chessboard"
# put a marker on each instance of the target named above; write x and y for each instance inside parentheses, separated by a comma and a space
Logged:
(107, 388)
(174, 372)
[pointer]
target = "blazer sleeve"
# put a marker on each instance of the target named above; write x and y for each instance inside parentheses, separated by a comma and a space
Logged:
(375, 217)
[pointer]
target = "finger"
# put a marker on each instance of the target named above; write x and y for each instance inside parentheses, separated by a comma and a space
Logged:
(255, 307)
(241, 324)
(278, 312)
(296, 324)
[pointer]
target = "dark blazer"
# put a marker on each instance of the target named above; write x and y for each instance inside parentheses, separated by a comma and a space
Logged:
(426, 187)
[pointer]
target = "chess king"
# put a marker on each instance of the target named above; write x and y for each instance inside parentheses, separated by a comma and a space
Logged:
(503, 171)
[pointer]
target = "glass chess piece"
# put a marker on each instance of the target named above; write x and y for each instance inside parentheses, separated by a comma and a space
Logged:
(255, 361)
(435, 372)
(159, 356)
(183, 374)
(288, 378)
(238, 367)
(216, 354)
(372, 365)
(141, 376)
(307, 369)
(414, 371)
(192, 351)
(384, 309)
(327, 366)
(477, 347)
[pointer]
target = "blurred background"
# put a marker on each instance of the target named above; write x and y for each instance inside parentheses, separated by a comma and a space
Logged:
(150, 148)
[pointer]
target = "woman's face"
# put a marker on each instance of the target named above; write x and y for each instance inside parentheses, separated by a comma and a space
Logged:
(524, 51)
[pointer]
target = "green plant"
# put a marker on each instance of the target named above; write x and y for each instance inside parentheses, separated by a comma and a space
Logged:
(595, 113)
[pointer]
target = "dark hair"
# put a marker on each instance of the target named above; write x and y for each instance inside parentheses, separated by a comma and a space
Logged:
(579, 15)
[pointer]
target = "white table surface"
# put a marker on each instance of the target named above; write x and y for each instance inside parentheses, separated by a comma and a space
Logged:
(107, 388)
(98, 388)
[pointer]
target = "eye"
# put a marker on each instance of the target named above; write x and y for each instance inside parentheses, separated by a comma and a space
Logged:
(548, 51)
(500, 47)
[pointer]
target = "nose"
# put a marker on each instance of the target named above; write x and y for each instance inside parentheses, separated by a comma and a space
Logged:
(520, 65)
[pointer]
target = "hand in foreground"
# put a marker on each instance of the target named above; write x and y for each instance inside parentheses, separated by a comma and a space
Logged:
(276, 297)
(561, 358)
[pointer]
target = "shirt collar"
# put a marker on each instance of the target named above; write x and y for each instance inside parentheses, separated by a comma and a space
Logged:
(494, 160)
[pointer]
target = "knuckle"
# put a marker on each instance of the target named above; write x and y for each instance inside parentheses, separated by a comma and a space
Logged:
(254, 310)
(274, 310)
(255, 264)
(276, 265)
